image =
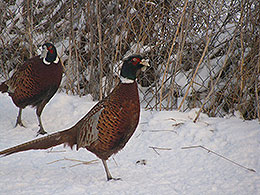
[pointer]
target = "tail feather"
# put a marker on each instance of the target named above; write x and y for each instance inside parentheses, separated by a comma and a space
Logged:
(63, 137)
(3, 87)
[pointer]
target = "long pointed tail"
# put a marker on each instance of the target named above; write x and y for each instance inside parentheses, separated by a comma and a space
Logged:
(3, 87)
(63, 137)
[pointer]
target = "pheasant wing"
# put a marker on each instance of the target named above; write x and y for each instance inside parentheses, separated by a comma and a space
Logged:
(88, 132)
(21, 77)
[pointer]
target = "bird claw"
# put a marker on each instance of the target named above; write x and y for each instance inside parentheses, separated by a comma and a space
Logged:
(41, 132)
(20, 123)
(115, 179)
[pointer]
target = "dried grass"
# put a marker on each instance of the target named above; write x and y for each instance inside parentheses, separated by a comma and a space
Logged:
(203, 54)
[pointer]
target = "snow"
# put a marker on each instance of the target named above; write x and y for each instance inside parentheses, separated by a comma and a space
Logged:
(167, 170)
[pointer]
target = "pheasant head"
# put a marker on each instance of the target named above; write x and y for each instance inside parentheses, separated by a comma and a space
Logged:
(49, 54)
(130, 67)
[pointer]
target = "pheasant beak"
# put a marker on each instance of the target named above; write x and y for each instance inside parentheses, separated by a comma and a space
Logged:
(145, 64)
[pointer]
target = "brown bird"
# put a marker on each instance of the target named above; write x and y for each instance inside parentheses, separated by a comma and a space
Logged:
(35, 82)
(107, 127)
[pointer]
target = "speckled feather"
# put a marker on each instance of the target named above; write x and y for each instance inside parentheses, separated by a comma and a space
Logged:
(116, 122)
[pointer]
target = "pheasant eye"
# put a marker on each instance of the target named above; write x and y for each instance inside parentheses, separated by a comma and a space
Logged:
(135, 60)
(50, 49)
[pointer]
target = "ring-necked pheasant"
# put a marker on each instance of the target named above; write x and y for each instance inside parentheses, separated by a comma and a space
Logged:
(107, 127)
(35, 82)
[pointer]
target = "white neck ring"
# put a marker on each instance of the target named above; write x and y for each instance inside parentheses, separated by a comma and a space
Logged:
(126, 80)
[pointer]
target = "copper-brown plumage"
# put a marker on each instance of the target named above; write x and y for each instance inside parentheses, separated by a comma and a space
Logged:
(107, 127)
(34, 83)
(117, 121)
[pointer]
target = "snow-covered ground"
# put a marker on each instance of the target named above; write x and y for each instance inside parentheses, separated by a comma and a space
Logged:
(158, 141)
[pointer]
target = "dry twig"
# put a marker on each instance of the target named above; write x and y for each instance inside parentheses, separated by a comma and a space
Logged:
(219, 155)
(158, 148)
(75, 160)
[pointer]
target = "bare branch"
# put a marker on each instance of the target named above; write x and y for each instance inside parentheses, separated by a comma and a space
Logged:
(219, 155)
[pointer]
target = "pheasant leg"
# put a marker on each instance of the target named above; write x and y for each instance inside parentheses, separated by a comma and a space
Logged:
(38, 113)
(41, 130)
(109, 176)
(19, 118)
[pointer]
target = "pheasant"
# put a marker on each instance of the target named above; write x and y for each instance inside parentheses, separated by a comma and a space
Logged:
(107, 127)
(35, 82)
